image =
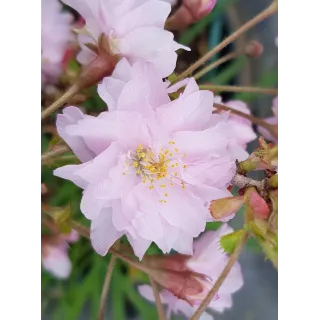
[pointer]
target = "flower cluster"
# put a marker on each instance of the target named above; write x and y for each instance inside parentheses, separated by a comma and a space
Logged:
(150, 166)
(159, 155)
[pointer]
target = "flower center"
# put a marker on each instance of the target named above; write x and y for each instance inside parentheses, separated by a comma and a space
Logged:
(165, 165)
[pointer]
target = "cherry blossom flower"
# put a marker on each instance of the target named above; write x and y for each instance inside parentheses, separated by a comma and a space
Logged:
(134, 29)
(54, 251)
(241, 131)
(150, 166)
(272, 120)
(56, 35)
(208, 259)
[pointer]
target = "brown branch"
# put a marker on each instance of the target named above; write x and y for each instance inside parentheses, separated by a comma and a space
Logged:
(233, 258)
(215, 64)
(54, 153)
(270, 91)
(60, 102)
(161, 314)
(269, 11)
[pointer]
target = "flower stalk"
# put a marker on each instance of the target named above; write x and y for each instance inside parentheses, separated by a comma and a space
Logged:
(269, 11)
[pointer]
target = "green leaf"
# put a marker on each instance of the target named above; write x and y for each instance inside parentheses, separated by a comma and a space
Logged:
(270, 251)
(230, 241)
(215, 225)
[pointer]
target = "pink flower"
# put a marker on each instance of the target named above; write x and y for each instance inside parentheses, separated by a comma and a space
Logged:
(208, 259)
(151, 166)
(241, 132)
(55, 257)
(272, 120)
(134, 29)
(55, 38)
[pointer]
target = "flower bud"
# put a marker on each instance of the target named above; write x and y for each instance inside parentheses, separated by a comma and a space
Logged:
(102, 66)
(190, 12)
(186, 285)
(175, 262)
(254, 49)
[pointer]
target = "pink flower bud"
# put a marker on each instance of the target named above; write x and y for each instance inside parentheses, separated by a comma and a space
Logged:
(102, 66)
(186, 285)
(190, 12)
(254, 49)
(175, 262)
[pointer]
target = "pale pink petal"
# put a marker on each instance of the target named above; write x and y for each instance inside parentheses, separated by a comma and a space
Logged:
(88, 10)
(57, 262)
(103, 234)
(150, 44)
(192, 112)
(265, 132)
(146, 291)
(85, 56)
(216, 171)
(69, 172)
(91, 206)
(132, 96)
(139, 245)
(175, 87)
(98, 169)
(145, 205)
(197, 144)
(71, 116)
(182, 203)
(150, 14)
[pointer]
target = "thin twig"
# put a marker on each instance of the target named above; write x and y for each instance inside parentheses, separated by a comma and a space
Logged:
(269, 11)
(60, 102)
(253, 119)
(106, 285)
(161, 314)
(233, 258)
(270, 91)
(54, 153)
(215, 64)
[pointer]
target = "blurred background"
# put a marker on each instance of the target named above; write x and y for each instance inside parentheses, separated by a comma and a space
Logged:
(78, 296)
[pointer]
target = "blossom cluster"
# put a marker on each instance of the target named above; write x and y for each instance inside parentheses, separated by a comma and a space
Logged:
(153, 161)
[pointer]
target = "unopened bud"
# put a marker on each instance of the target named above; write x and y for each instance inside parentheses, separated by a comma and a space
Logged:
(254, 49)
(186, 285)
(190, 12)
(175, 262)
(102, 66)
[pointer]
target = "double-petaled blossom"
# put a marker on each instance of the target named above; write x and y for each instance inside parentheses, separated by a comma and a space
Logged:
(271, 120)
(241, 131)
(56, 35)
(150, 166)
(54, 254)
(134, 29)
(208, 259)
